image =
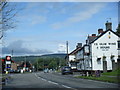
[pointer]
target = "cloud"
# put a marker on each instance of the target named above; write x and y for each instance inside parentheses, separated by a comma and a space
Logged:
(85, 14)
(38, 19)
(61, 48)
(19, 49)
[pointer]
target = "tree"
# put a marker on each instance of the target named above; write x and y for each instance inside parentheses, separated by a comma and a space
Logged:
(53, 64)
(118, 29)
(8, 12)
(49, 62)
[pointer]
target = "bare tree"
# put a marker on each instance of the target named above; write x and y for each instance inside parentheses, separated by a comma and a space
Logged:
(8, 11)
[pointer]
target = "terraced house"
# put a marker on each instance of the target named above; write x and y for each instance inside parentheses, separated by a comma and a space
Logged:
(100, 51)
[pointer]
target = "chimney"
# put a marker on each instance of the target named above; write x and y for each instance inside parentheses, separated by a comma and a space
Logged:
(100, 31)
(108, 25)
(94, 35)
(79, 45)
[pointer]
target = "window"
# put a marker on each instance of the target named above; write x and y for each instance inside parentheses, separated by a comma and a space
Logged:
(97, 47)
(118, 44)
(99, 60)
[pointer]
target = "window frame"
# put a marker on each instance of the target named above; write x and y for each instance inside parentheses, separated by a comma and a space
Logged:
(119, 44)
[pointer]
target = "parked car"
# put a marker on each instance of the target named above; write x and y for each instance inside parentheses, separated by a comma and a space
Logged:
(17, 71)
(46, 71)
(66, 70)
(11, 71)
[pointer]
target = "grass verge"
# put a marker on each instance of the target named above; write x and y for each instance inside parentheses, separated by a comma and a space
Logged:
(113, 73)
(102, 78)
(112, 77)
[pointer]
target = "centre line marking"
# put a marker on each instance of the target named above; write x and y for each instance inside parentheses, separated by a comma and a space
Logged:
(66, 86)
(53, 82)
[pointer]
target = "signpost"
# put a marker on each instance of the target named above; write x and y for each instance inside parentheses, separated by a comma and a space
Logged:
(8, 58)
(8, 63)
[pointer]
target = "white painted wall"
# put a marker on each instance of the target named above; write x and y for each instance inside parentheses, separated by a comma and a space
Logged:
(71, 57)
(98, 52)
(79, 54)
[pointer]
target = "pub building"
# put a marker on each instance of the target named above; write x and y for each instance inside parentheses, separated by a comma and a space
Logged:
(100, 51)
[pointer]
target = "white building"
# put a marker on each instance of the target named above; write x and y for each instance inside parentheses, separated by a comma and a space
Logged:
(100, 51)
(72, 56)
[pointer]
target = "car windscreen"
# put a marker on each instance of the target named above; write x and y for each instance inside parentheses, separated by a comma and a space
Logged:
(67, 68)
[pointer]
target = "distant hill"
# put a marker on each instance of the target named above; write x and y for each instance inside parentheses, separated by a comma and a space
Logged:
(32, 59)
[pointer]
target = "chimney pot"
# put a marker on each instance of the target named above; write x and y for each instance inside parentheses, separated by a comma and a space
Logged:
(79, 45)
(93, 34)
(108, 25)
(100, 31)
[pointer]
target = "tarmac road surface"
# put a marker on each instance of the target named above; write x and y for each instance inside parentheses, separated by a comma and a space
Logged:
(52, 80)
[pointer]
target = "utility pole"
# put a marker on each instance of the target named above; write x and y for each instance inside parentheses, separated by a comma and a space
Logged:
(67, 52)
(37, 65)
(12, 52)
(25, 63)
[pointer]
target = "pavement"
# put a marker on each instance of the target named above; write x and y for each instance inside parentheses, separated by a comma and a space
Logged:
(53, 80)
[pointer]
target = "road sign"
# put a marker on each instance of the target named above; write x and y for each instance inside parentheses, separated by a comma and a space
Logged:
(8, 62)
(8, 66)
(8, 58)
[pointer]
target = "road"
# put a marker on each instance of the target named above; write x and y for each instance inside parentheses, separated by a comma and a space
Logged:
(54, 80)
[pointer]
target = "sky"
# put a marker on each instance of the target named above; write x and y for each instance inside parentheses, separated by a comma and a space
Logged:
(44, 27)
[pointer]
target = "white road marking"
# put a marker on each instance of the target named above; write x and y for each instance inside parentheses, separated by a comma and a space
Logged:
(43, 79)
(53, 82)
(66, 86)
(69, 87)
(36, 75)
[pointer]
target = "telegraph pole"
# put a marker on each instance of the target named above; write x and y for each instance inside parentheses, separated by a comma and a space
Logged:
(25, 64)
(12, 52)
(37, 64)
(67, 52)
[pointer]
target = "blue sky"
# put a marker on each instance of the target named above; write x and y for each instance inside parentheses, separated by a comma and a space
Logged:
(44, 27)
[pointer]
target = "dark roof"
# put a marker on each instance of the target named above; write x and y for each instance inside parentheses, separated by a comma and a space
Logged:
(77, 49)
(91, 38)
(74, 51)
(104, 33)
